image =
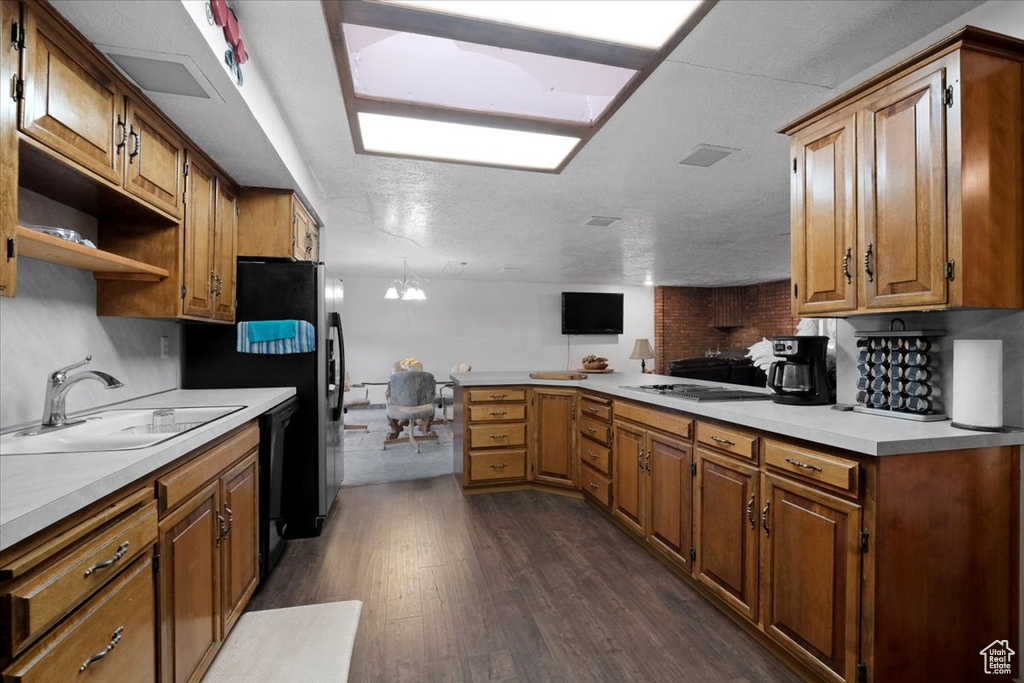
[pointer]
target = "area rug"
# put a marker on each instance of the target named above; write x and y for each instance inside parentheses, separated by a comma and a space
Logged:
(366, 463)
(308, 644)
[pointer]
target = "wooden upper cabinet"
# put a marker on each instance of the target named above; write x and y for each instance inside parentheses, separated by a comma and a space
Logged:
(154, 159)
(554, 427)
(810, 569)
(670, 496)
(9, 57)
(903, 192)
(200, 227)
(274, 223)
(726, 523)
(300, 231)
(73, 105)
(240, 547)
(939, 165)
(190, 587)
(824, 216)
(629, 446)
(225, 251)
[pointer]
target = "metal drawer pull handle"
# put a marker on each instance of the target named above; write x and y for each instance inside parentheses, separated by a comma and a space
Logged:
(591, 430)
(593, 409)
(118, 554)
(764, 518)
(497, 396)
(223, 528)
(726, 442)
(593, 486)
(114, 640)
(648, 460)
(750, 512)
(499, 436)
(804, 465)
(231, 519)
(640, 459)
(867, 263)
(846, 265)
(498, 413)
(592, 454)
(498, 467)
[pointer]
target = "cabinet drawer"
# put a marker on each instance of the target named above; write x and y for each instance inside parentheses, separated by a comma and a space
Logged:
(489, 465)
(493, 436)
(826, 470)
(597, 456)
(676, 425)
(176, 487)
(496, 394)
(598, 431)
(728, 440)
(599, 411)
(38, 600)
(596, 485)
(497, 413)
(112, 636)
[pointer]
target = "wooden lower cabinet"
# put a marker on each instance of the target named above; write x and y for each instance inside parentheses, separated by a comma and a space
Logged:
(726, 530)
(110, 638)
(209, 568)
(553, 420)
(810, 569)
(669, 496)
(190, 585)
(628, 448)
(239, 548)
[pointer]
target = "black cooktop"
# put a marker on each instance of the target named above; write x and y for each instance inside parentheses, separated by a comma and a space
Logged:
(701, 392)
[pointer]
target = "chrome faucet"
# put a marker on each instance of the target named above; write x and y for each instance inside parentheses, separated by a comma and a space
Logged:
(57, 389)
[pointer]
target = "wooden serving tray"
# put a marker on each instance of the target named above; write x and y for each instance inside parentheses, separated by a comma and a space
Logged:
(563, 375)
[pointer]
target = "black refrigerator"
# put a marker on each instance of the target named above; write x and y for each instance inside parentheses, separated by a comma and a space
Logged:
(313, 465)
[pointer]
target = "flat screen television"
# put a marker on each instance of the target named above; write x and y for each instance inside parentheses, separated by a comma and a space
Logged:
(591, 313)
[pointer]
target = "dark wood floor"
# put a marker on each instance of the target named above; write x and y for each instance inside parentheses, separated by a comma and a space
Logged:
(519, 586)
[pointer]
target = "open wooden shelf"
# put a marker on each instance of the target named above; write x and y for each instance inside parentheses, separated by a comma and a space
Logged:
(38, 245)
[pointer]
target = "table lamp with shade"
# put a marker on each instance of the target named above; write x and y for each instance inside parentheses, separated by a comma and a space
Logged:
(643, 352)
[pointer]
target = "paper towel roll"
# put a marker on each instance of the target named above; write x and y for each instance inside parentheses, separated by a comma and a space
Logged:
(978, 383)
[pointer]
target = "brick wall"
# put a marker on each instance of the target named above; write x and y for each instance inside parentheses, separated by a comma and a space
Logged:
(685, 318)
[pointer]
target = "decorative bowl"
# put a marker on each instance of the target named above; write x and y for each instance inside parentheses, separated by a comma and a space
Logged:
(595, 366)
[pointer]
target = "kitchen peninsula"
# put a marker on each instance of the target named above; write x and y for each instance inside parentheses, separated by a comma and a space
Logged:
(848, 544)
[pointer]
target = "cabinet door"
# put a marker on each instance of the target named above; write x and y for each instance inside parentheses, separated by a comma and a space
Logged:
(725, 530)
(190, 583)
(239, 550)
(200, 222)
(9, 14)
(554, 427)
(628, 450)
(225, 252)
(903, 193)
(314, 241)
(300, 230)
(810, 567)
(72, 104)
(156, 156)
(824, 217)
(670, 490)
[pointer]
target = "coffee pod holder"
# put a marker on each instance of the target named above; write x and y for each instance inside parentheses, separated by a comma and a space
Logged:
(897, 373)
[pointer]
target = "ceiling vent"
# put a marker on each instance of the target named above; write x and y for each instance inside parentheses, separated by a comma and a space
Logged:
(601, 221)
(161, 72)
(706, 155)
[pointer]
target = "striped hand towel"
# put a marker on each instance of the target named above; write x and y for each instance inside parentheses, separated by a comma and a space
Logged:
(302, 339)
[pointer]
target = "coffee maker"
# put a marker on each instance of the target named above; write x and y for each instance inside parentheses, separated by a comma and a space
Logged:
(802, 377)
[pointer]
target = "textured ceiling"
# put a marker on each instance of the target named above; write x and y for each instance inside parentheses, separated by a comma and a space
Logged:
(748, 68)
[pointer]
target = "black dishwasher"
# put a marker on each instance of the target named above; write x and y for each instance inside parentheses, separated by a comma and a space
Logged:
(277, 442)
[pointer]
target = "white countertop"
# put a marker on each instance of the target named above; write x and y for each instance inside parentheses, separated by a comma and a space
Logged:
(868, 434)
(40, 489)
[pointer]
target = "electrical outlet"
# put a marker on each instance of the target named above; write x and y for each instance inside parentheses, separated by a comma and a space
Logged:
(165, 346)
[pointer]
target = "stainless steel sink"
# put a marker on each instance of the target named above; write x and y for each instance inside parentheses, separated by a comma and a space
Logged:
(113, 430)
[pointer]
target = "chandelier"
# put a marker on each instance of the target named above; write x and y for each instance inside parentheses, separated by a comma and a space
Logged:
(405, 289)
